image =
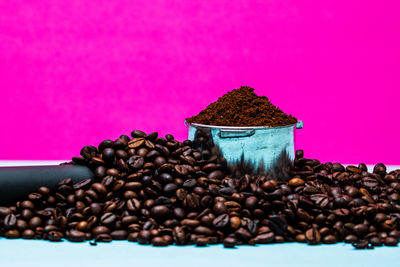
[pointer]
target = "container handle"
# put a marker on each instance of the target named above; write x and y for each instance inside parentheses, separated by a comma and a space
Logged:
(235, 133)
(299, 125)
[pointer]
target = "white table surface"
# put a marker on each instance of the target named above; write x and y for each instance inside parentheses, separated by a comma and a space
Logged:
(123, 253)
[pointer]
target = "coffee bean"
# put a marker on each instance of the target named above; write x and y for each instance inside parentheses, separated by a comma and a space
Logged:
(202, 230)
(160, 212)
(12, 234)
(391, 241)
(144, 237)
(95, 208)
(296, 182)
(362, 244)
(202, 241)
(119, 234)
(108, 218)
(251, 202)
(229, 242)
(98, 230)
(76, 236)
(329, 239)
(360, 229)
(88, 152)
(235, 222)
(10, 221)
(190, 223)
(243, 234)
(136, 162)
(179, 235)
(218, 175)
(265, 238)
(221, 221)
(159, 241)
(219, 208)
(54, 236)
(350, 239)
(103, 238)
(313, 236)
(375, 241)
(28, 234)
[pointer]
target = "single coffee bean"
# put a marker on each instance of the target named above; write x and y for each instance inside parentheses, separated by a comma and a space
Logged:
(76, 236)
(98, 230)
(221, 221)
(265, 238)
(54, 236)
(329, 239)
(375, 241)
(160, 212)
(391, 241)
(202, 241)
(219, 208)
(313, 236)
(362, 244)
(296, 182)
(103, 238)
(10, 221)
(108, 218)
(12, 234)
(119, 234)
(159, 241)
(144, 237)
(350, 239)
(229, 242)
(28, 234)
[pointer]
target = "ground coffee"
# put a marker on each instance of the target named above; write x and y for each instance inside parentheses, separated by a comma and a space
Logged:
(242, 107)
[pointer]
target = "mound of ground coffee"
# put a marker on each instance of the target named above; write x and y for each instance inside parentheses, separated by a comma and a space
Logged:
(242, 107)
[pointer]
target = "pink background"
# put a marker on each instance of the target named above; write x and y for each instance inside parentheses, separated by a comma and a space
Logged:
(76, 72)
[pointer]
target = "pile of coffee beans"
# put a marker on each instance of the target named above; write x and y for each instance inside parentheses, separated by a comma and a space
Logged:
(242, 107)
(159, 191)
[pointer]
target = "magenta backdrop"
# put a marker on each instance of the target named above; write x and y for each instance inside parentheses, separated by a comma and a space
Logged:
(76, 72)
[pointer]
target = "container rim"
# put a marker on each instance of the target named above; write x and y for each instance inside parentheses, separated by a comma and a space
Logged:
(297, 125)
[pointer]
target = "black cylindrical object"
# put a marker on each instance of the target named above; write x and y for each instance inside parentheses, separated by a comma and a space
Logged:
(17, 182)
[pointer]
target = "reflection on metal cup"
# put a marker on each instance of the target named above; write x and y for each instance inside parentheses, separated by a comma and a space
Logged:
(267, 151)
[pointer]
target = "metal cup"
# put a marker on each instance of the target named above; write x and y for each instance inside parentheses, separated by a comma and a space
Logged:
(267, 151)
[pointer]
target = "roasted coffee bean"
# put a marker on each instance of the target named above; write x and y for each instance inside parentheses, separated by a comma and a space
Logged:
(159, 241)
(160, 212)
(313, 236)
(103, 238)
(362, 244)
(54, 236)
(190, 223)
(202, 241)
(221, 221)
(144, 237)
(391, 241)
(12, 234)
(28, 234)
(329, 239)
(119, 234)
(10, 221)
(219, 208)
(98, 230)
(264, 238)
(229, 242)
(4, 211)
(76, 236)
(136, 162)
(108, 218)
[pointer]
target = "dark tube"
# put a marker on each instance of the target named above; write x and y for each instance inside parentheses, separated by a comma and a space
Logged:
(17, 182)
